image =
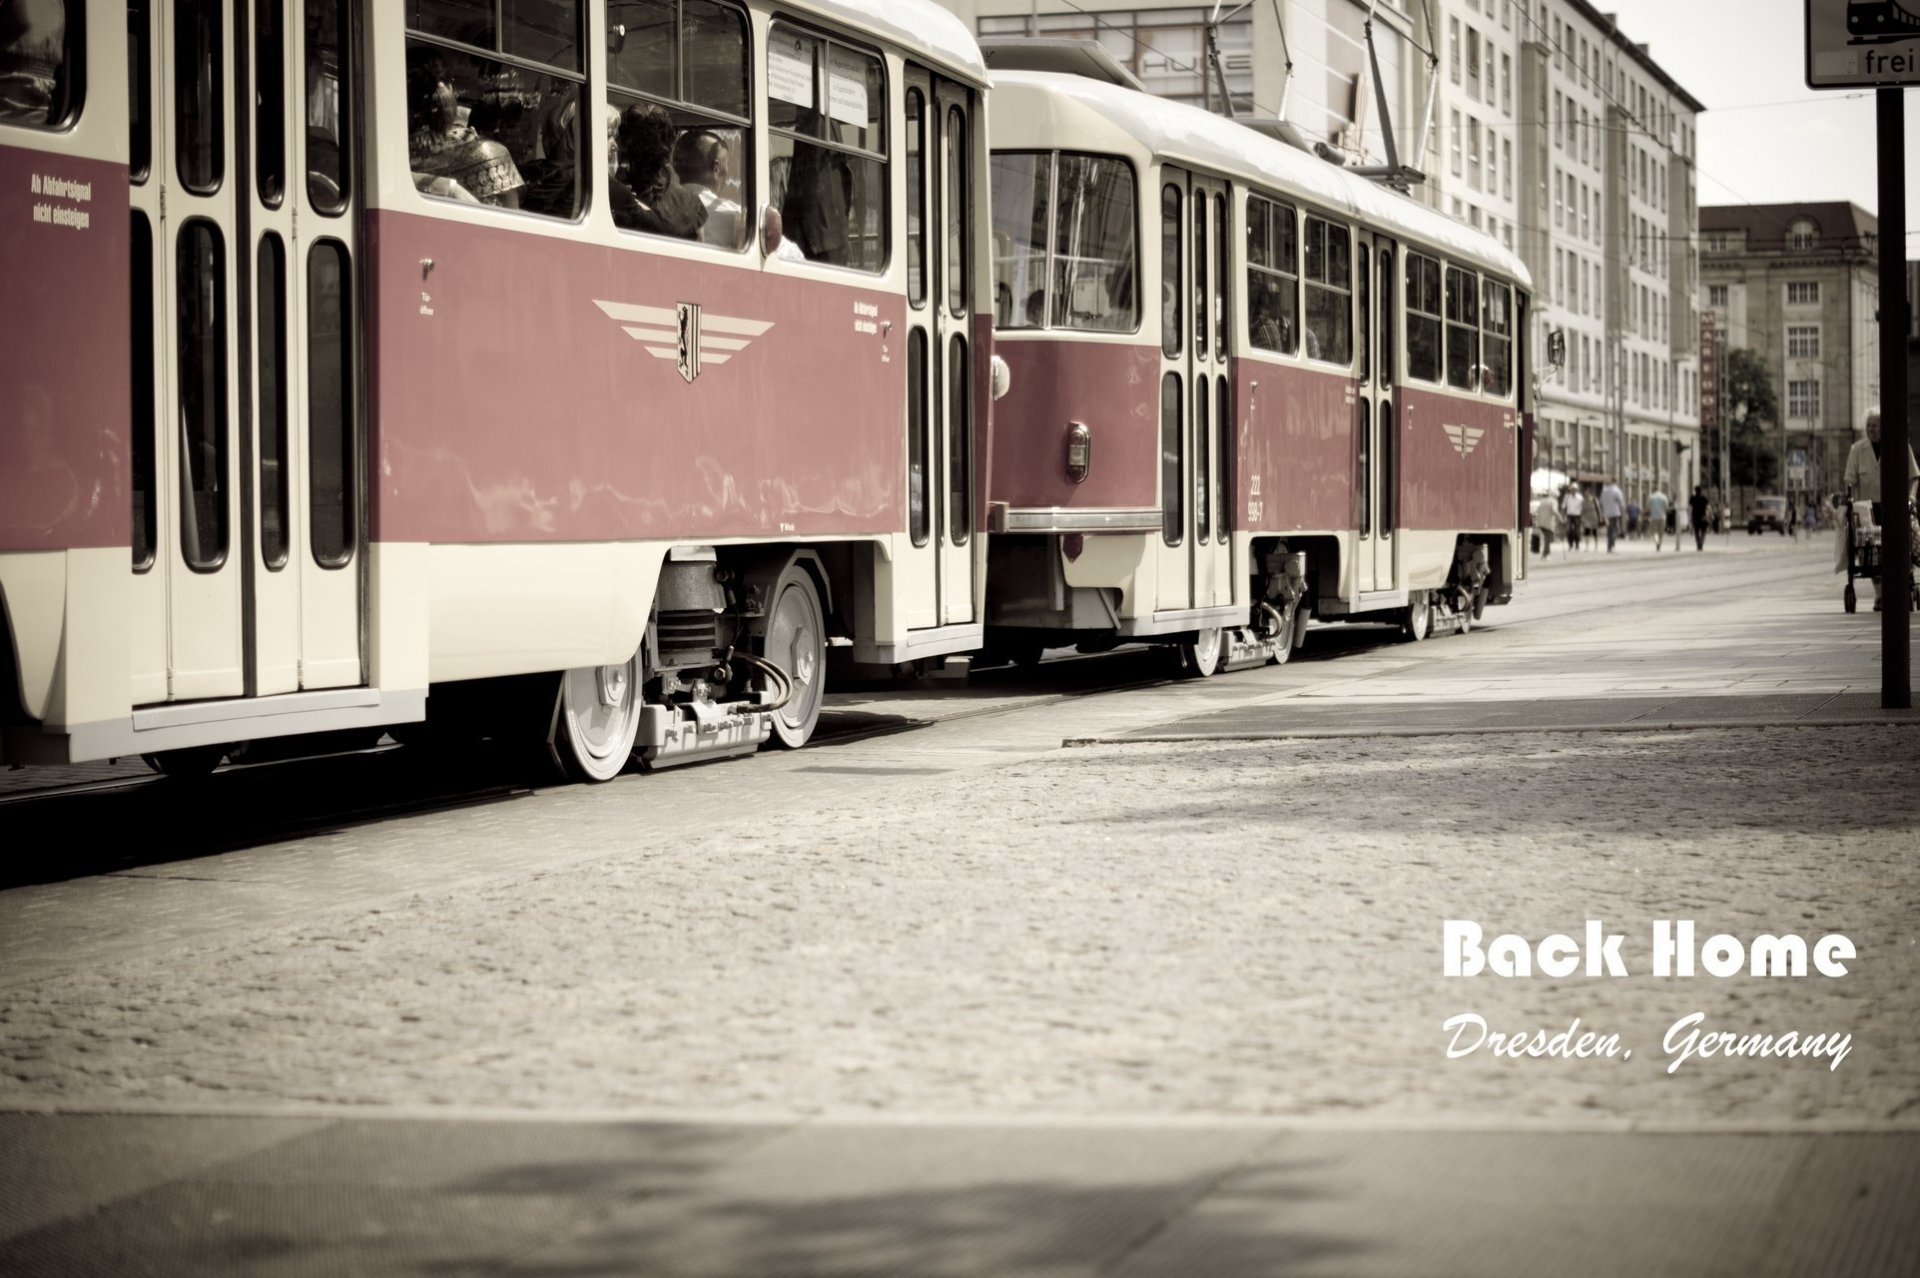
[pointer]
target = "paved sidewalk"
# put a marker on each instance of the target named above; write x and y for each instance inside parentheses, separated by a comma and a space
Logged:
(266, 1197)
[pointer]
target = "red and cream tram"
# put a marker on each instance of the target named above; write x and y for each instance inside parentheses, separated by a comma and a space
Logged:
(340, 367)
(1247, 387)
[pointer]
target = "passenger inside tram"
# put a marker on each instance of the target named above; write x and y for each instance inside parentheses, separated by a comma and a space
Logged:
(701, 162)
(553, 180)
(449, 156)
(33, 62)
(645, 196)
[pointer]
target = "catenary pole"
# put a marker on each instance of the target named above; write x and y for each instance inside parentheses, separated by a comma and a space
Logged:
(1896, 557)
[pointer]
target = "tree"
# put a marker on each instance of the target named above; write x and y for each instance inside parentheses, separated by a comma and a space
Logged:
(1750, 407)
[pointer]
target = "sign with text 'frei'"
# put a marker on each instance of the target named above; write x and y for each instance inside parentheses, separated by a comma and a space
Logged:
(1853, 44)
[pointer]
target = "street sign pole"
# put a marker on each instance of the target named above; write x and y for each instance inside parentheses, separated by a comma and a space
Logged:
(1877, 46)
(1896, 546)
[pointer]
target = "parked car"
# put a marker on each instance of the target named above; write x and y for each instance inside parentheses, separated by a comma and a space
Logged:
(1768, 512)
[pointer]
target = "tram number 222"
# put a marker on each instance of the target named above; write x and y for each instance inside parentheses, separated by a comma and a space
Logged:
(1255, 507)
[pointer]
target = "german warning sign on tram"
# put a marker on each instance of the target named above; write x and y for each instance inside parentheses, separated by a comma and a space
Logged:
(1854, 44)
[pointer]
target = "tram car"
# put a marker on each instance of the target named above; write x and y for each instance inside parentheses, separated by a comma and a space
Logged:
(583, 362)
(1879, 21)
(1248, 387)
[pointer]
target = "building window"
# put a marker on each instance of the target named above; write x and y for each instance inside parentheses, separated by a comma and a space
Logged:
(1453, 48)
(1459, 145)
(1803, 234)
(1165, 48)
(1803, 293)
(1803, 400)
(1803, 341)
(1717, 297)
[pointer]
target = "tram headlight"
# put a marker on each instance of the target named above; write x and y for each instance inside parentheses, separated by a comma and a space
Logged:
(1079, 451)
(1002, 377)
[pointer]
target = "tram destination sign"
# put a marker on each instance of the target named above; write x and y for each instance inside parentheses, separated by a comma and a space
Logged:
(1855, 44)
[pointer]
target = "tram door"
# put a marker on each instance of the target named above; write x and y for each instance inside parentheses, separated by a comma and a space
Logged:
(1377, 445)
(1195, 558)
(245, 437)
(936, 573)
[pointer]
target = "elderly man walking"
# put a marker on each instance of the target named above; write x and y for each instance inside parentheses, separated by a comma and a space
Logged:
(1657, 504)
(1613, 508)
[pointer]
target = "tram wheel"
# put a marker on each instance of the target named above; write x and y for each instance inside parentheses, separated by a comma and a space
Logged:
(596, 718)
(1200, 656)
(1479, 603)
(187, 764)
(1463, 619)
(1416, 619)
(1289, 636)
(797, 643)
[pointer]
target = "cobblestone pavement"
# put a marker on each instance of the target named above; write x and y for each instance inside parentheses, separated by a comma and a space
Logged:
(968, 919)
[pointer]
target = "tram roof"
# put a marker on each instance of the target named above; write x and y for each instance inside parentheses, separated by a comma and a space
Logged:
(1189, 135)
(916, 25)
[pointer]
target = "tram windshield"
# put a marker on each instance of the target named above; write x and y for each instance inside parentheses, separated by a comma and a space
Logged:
(1065, 236)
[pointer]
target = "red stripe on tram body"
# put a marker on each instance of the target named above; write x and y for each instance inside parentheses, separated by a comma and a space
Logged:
(509, 405)
(1114, 389)
(1457, 478)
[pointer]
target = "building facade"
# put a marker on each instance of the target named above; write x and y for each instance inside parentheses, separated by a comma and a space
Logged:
(1799, 284)
(1537, 121)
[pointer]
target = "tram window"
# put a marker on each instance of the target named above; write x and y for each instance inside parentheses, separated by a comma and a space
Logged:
(1093, 245)
(917, 198)
(1172, 456)
(1463, 329)
(959, 442)
(1022, 183)
(1363, 465)
(479, 130)
(329, 101)
(1364, 280)
(1223, 455)
(1423, 318)
(270, 277)
(1273, 276)
(198, 93)
(42, 62)
(1220, 275)
(827, 103)
(1383, 309)
(330, 404)
(958, 211)
(202, 285)
(1385, 461)
(1171, 214)
(1329, 277)
(1202, 462)
(680, 133)
(919, 477)
(269, 103)
(145, 518)
(1496, 321)
(1202, 275)
(139, 91)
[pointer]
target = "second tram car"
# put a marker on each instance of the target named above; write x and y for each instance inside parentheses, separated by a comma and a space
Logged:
(1247, 387)
(591, 362)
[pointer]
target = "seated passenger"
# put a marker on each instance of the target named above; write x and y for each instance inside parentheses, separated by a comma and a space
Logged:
(700, 162)
(645, 197)
(553, 183)
(441, 147)
(1037, 309)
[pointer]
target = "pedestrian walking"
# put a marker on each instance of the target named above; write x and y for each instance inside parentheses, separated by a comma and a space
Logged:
(1590, 522)
(1546, 524)
(1699, 508)
(1613, 507)
(1863, 479)
(1573, 506)
(1657, 516)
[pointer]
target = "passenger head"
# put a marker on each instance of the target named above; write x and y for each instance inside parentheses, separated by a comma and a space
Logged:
(1037, 307)
(431, 100)
(646, 145)
(700, 159)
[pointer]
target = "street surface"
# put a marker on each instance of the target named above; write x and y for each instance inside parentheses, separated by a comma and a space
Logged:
(1086, 943)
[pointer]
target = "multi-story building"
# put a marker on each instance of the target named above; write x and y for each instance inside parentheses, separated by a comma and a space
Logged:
(1537, 121)
(1800, 285)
